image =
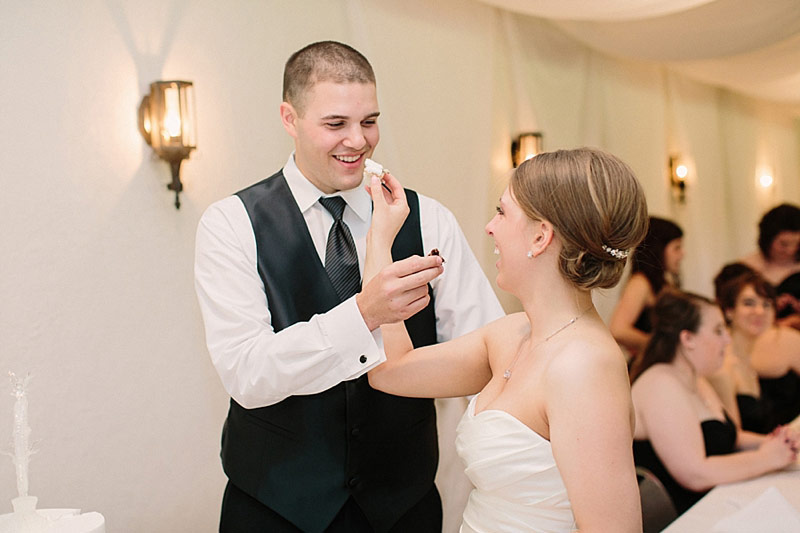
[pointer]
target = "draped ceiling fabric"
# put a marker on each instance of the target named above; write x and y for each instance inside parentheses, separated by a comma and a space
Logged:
(749, 47)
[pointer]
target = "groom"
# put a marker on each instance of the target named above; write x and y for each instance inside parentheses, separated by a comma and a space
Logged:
(308, 445)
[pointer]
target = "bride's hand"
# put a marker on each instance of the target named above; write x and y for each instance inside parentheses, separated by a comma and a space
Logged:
(390, 209)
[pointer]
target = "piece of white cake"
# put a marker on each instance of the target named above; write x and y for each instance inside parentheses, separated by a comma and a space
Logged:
(371, 168)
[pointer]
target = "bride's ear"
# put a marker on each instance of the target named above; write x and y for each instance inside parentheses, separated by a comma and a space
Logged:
(541, 238)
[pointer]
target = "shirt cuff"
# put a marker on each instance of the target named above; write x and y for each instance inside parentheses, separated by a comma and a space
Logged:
(347, 332)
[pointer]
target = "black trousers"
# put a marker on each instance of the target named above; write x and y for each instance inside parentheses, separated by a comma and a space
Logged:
(242, 513)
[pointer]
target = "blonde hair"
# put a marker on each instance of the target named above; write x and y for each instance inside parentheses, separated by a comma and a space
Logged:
(593, 200)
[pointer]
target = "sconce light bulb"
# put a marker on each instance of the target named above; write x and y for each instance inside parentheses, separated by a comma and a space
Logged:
(172, 116)
(681, 171)
(765, 180)
(172, 124)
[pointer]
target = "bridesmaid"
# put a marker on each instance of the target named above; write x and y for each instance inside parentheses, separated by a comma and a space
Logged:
(683, 433)
(778, 259)
(778, 254)
(655, 264)
(759, 381)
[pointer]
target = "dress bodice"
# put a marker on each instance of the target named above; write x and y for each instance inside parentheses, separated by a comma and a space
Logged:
(719, 438)
(643, 322)
(517, 483)
(757, 413)
(783, 393)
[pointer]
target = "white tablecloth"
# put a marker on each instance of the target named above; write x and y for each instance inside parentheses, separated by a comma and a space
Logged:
(725, 500)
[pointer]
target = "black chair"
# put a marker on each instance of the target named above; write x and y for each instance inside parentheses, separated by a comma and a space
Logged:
(658, 510)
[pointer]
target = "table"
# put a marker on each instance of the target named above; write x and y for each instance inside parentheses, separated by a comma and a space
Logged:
(724, 500)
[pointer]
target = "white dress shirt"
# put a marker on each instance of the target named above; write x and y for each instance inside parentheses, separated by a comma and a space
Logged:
(259, 367)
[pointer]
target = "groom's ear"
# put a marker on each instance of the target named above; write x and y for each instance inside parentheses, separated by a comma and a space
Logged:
(289, 118)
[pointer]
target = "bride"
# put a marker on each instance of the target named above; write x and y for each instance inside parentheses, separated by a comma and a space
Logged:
(547, 442)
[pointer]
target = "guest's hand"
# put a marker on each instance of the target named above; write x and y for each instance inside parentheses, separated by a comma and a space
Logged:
(787, 300)
(779, 449)
(791, 435)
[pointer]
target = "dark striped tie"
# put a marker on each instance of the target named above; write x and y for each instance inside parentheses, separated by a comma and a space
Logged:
(341, 259)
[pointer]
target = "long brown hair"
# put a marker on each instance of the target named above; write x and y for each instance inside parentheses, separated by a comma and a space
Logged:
(674, 311)
(648, 258)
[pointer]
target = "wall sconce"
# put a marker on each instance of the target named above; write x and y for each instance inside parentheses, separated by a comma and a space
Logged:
(167, 122)
(677, 176)
(525, 146)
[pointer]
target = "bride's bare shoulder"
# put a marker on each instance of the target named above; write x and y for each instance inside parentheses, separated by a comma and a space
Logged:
(590, 354)
(508, 328)
(507, 323)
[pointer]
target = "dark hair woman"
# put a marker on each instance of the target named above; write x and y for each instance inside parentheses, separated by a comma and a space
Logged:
(778, 258)
(655, 264)
(782, 219)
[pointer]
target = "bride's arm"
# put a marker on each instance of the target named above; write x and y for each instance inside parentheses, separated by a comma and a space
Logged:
(390, 209)
(455, 368)
(590, 418)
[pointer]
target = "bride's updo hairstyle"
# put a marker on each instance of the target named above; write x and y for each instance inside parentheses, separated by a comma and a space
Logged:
(595, 204)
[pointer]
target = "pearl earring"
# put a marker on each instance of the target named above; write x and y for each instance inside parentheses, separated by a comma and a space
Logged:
(530, 254)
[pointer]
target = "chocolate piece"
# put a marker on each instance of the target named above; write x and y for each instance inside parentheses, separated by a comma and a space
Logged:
(435, 251)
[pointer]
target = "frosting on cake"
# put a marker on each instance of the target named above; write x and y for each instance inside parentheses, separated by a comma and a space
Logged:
(371, 168)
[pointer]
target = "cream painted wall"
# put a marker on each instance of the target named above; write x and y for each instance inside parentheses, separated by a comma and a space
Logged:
(96, 279)
(98, 298)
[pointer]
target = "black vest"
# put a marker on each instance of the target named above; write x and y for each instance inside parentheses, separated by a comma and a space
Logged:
(306, 455)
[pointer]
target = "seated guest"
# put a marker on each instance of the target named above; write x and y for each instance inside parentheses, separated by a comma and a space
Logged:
(759, 381)
(778, 257)
(747, 301)
(683, 434)
(654, 264)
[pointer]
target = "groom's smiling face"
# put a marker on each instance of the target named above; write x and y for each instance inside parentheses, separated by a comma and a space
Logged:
(335, 129)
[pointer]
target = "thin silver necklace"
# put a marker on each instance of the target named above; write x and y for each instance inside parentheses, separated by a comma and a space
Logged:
(507, 373)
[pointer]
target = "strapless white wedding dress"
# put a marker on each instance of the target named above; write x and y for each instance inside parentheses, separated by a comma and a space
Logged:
(517, 484)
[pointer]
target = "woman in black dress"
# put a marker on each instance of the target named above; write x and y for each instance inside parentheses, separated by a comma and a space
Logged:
(683, 434)
(759, 381)
(655, 264)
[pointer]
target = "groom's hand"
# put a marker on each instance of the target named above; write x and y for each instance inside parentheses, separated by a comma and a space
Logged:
(398, 291)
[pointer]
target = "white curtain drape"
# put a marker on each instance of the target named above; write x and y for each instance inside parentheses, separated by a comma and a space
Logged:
(594, 10)
(749, 47)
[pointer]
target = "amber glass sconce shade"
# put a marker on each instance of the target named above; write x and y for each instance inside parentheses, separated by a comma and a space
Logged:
(678, 171)
(525, 146)
(168, 124)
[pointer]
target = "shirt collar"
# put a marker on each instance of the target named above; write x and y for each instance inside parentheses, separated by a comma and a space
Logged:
(306, 193)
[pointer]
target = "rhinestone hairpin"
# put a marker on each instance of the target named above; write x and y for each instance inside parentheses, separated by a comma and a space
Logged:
(614, 252)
